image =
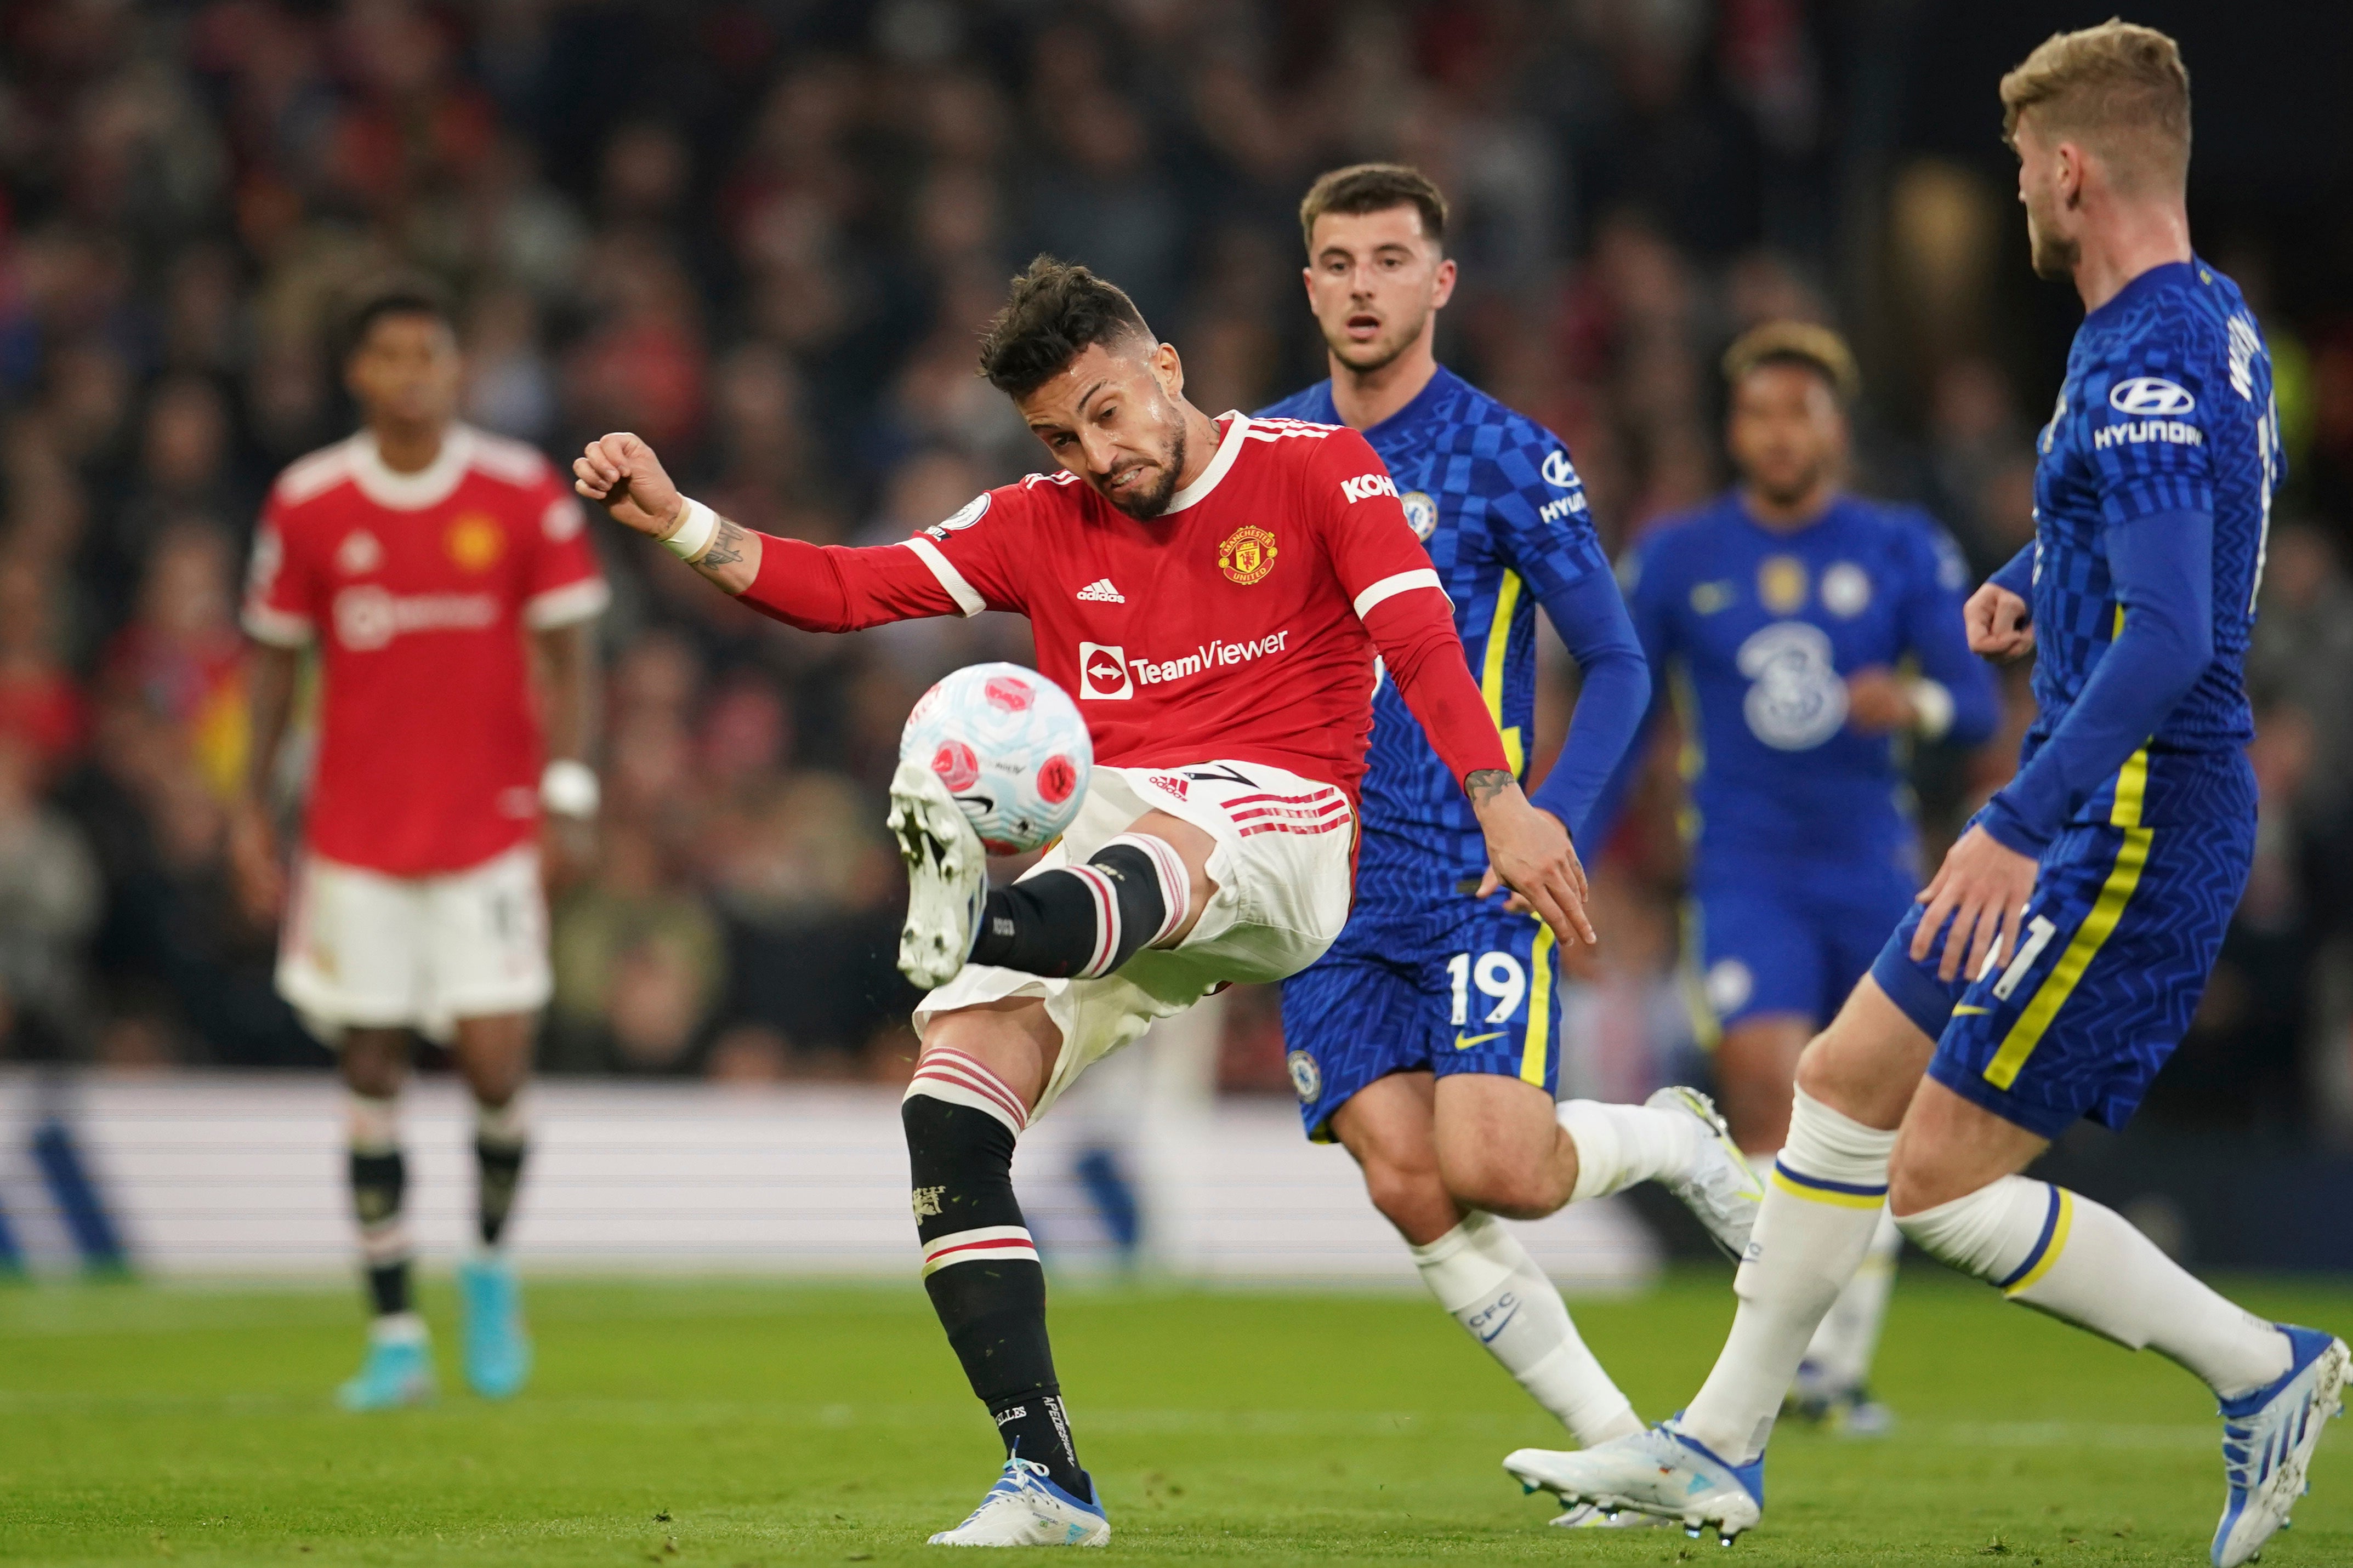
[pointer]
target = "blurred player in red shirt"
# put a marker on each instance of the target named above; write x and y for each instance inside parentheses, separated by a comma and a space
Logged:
(1213, 594)
(431, 566)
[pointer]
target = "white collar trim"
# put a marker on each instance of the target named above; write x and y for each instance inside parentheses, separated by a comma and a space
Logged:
(428, 486)
(1228, 450)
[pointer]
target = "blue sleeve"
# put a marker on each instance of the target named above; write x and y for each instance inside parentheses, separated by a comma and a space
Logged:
(1645, 597)
(1939, 635)
(1543, 529)
(1612, 700)
(2017, 574)
(2161, 568)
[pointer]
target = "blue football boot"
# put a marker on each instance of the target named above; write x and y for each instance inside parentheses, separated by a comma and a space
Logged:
(498, 1349)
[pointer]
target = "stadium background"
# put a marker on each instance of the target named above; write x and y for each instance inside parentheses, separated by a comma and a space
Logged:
(764, 235)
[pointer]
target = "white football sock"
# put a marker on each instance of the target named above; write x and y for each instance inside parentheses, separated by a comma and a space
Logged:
(1843, 1346)
(1481, 1273)
(1822, 1202)
(2047, 1248)
(1619, 1145)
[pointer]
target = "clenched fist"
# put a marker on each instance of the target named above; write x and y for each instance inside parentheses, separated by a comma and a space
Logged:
(621, 473)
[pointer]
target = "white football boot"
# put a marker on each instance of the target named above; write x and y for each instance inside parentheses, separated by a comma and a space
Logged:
(1659, 1471)
(2268, 1441)
(1585, 1516)
(1720, 1189)
(1025, 1509)
(948, 876)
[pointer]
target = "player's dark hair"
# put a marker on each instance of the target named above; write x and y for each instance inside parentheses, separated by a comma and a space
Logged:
(1801, 343)
(1055, 311)
(406, 296)
(1373, 188)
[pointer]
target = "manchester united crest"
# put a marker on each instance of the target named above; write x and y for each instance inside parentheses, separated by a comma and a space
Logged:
(1248, 555)
(475, 542)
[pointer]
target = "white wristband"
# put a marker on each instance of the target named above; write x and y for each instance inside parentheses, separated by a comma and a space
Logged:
(698, 525)
(569, 788)
(1932, 703)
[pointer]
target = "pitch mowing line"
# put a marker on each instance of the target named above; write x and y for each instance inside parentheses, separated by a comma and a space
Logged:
(1143, 1421)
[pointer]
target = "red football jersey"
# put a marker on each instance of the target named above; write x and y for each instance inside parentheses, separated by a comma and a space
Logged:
(419, 588)
(1231, 626)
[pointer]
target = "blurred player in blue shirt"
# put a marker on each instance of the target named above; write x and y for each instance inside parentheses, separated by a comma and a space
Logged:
(1806, 635)
(1428, 1040)
(2054, 960)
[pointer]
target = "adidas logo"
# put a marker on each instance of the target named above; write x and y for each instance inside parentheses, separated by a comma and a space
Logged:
(1100, 591)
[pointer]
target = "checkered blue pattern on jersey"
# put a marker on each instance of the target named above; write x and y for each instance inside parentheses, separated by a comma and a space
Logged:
(1499, 500)
(2184, 324)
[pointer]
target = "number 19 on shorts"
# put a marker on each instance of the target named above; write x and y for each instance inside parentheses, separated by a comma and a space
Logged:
(1501, 979)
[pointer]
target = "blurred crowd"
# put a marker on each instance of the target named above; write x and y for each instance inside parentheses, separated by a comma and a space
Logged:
(764, 235)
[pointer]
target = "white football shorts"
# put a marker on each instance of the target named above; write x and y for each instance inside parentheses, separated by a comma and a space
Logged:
(1283, 870)
(363, 949)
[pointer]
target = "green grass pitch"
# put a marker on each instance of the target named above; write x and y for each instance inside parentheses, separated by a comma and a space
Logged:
(735, 1423)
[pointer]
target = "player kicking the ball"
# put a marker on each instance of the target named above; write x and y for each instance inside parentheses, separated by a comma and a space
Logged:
(1427, 1040)
(2054, 960)
(1213, 593)
(427, 563)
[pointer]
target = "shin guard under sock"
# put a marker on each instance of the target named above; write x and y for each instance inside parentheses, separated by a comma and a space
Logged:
(980, 1267)
(501, 1138)
(2057, 1251)
(1082, 921)
(379, 1180)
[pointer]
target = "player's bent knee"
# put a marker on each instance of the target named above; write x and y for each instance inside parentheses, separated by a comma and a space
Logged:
(1867, 1063)
(1515, 1189)
(1978, 1233)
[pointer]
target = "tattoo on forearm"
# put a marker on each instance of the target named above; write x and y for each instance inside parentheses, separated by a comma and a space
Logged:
(726, 549)
(1487, 784)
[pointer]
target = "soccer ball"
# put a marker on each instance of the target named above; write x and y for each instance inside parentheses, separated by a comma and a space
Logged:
(1010, 746)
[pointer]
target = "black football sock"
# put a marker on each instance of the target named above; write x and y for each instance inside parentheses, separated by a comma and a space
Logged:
(501, 1139)
(980, 1267)
(379, 1179)
(1086, 920)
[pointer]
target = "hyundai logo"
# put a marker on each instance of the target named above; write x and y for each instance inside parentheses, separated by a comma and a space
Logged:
(2151, 396)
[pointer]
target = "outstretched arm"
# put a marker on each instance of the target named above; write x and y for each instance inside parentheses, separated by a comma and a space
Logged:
(621, 473)
(818, 589)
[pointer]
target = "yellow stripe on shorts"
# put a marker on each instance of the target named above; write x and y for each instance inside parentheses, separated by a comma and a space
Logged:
(1538, 1039)
(1690, 978)
(2132, 856)
(1490, 676)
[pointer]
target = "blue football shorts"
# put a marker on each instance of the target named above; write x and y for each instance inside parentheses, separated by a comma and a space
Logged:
(1460, 987)
(2123, 928)
(1794, 940)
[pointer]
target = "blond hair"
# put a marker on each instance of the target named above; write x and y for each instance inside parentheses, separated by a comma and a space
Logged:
(2120, 88)
(1817, 349)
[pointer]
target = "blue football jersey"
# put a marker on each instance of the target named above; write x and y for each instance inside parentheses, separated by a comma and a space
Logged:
(1753, 633)
(2166, 407)
(1498, 503)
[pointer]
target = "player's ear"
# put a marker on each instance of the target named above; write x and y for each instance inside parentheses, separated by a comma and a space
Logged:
(1168, 370)
(2067, 172)
(1442, 284)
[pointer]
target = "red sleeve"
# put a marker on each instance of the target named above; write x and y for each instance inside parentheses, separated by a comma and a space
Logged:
(959, 566)
(562, 584)
(831, 588)
(280, 587)
(1395, 593)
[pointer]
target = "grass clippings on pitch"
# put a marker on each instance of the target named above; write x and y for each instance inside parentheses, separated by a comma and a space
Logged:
(731, 1423)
